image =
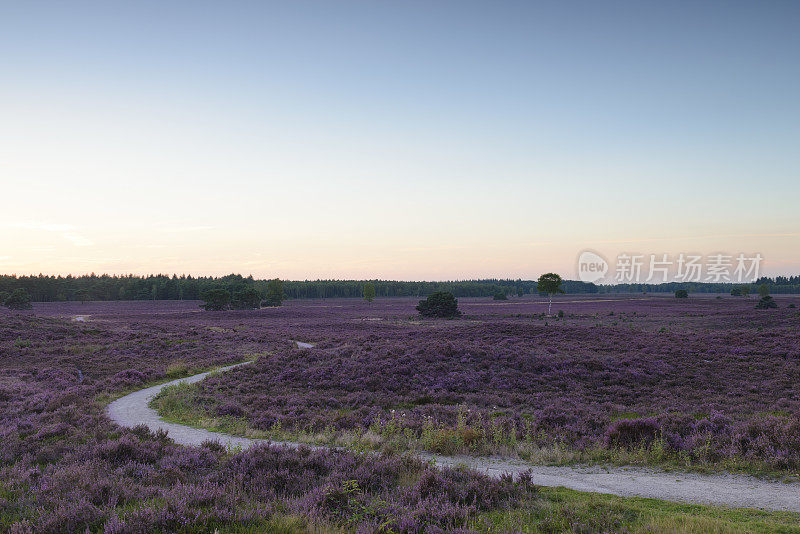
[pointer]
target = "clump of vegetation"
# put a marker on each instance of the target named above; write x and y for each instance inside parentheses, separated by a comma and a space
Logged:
(681, 294)
(766, 302)
(439, 304)
(242, 297)
(216, 300)
(274, 293)
(177, 369)
(632, 433)
(369, 291)
(246, 299)
(499, 295)
(19, 299)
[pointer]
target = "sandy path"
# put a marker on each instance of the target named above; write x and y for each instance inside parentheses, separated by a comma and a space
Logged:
(727, 490)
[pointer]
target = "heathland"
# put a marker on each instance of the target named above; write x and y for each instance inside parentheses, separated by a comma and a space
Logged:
(701, 383)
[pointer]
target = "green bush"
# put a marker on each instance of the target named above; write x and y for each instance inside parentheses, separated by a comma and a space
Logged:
(216, 300)
(439, 304)
(19, 299)
(246, 299)
(766, 303)
(499, 295)
(681, 294)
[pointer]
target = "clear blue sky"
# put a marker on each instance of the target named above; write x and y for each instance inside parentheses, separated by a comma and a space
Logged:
(395, 139)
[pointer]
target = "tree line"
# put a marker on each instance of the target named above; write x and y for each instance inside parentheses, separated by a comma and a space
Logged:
(778, 285)
(45, 288)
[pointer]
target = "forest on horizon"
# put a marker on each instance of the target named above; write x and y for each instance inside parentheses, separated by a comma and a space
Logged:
(48, 288)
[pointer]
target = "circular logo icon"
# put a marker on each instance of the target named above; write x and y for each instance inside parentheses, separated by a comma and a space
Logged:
(591, 266)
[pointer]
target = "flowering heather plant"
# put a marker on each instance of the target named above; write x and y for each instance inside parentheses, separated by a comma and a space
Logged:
(65, 468)
(693, 378)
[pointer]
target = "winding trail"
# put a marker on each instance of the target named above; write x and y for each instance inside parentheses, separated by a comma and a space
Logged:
(726, 490)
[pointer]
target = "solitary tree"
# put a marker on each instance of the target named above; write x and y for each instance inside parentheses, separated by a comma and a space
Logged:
(744, 291)
(763, 290)
(19, 299)
(216, 300)
(549, 284)
(369, 291)
(274, 293)
(439, 304)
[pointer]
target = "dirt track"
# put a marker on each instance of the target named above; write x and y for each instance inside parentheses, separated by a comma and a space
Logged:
(726, 490)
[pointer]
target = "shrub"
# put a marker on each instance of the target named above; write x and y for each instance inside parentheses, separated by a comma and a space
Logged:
(766, 302)
(499, 295)
(127, 378)
(19, 299)
(561, 314)
(230, 409)
(246, 299)
(439, 304)
(632, 433)
(681, 294)
(216, 300)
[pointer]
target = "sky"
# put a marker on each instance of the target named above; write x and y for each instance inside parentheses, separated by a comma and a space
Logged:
(405, 140)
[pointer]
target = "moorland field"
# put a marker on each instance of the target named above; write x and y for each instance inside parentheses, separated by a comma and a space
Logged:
(701, 383)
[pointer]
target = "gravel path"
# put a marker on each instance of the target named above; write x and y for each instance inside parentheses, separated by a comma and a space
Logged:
(725, 490)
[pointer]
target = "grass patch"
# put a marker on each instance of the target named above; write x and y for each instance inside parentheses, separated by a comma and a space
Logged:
(283, 524)
(563, 510)
(177, 369)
